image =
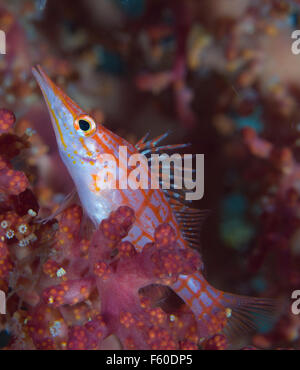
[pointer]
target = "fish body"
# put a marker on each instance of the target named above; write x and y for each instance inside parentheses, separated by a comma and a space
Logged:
(81, 142)
(80, 155)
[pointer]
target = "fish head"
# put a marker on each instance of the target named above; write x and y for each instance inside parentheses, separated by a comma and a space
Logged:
(75, 130)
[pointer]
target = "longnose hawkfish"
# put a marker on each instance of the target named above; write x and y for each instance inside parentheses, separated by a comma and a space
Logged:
(80, 141)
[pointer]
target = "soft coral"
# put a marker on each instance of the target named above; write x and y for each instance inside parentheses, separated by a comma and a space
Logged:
(73, 282)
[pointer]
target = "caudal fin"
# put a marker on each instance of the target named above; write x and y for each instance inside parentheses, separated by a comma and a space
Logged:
(248, 314)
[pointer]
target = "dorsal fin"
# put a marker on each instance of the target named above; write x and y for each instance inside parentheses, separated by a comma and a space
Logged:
(147, 147)
(190, 220)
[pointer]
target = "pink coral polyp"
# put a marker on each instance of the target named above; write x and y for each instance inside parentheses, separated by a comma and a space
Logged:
(7, 120)
(82, 298)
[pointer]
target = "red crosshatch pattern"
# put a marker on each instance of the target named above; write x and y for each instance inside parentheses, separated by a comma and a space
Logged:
(203, 298)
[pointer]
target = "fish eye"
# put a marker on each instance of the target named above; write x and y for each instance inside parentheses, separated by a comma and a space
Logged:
(85, 125)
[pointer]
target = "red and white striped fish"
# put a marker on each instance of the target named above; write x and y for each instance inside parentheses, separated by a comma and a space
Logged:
(80, 142)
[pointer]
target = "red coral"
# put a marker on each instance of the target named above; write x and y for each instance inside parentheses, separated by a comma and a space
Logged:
(218, 342)
(46, 327)
(13, 182)
(64, 302)
(7, 120)
(279, 225)
(70, 292)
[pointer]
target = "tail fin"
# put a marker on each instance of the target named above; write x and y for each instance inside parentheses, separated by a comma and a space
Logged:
(247, 314)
